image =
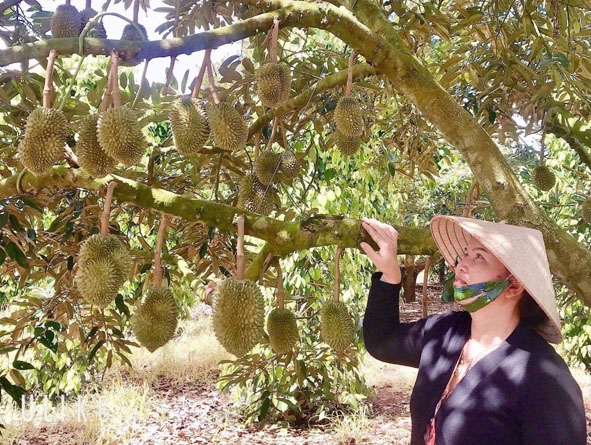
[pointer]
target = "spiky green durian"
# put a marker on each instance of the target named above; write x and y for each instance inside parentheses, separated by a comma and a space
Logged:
(347, 145)
(289, 167)
(189, 126)
(586, 210)
(238, 315)
(97, 30)
(348, 117)
(98, 281)
(91, 157)
(255, 196)
(228, 129)
(283, 330)
(155, 320)
(65, 22)
(543, 178)
(266, 167)
(131, 33)
(120, 135)
(102, 256)
(273, 83)
(46, 132)
(336, 325)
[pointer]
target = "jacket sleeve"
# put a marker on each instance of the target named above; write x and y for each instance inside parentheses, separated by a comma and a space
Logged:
(385, 337)
(553, 410)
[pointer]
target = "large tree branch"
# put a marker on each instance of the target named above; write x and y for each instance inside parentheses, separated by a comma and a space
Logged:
(564, 125)
(283, 237)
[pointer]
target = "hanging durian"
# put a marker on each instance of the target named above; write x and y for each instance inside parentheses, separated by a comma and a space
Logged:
(66, 21)
(238, 307)
(97, 29)
(189, 126)
(543, 178)
(255, 196)
(155, 320)
(131, 34)
(289, 167)
(282, 327)
(348, 117)
(266, 167)
(347, 145)
(228, 130)
(120, 135)
(273, 84)
(104, 264)
(43, 145)
(91, 157)
(337, 328)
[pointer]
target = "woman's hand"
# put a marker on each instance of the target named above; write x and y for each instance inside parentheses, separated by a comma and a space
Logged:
(385, 259)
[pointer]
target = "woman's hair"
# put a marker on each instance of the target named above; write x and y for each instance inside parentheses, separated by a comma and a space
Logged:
(529, 311)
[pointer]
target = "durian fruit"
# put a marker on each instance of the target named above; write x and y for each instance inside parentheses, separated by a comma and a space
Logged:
(91, 157)
(289, 167)
(155, 320)
(348, 117)
(283, 330)
(65, 22)
(46, 132)
(130, 33)
(273, 83)
(336, 326)
(228, 129)
(189, 126)
(120, 135)
(254, 196)
(103, 266)
(97, 30)
(266, 167)
(543, 178)
(586, 211)
(347, 145)
(238, 315)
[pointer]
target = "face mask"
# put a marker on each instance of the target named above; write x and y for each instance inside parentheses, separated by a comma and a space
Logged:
(486, 293)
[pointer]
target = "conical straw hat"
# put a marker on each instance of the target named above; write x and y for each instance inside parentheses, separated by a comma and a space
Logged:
(520, 249)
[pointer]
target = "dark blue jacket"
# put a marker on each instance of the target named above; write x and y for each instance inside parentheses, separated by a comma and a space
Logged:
(522, 392)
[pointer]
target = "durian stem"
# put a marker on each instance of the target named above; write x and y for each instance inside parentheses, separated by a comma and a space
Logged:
(107, 208)
(158, 275)
(284, 135)
(201, 75)
(280, 289)
(240, 260)
(543, 140)
(88, 4)
(265, 266)
(139, 90)
(68, 2)
(166, 87)
(257, 145)
(273, 132)
(136, 10)
(337, 273)
(115, 79)
(48, 88)
(467, 213)
(349, 85)
(274, 39)
(71, 83)
(426, 286)
(212, 87)
(108, 94)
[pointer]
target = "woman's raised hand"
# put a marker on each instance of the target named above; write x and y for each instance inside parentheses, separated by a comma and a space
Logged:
(385, 259)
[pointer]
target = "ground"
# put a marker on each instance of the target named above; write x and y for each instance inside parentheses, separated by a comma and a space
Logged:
(196, 413)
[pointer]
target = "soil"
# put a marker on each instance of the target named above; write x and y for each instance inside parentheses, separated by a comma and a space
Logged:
(199, 414)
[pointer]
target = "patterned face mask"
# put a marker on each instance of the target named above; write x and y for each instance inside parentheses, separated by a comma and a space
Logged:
(486, 293)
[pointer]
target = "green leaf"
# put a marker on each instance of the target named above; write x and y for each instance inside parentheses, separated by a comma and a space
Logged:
(16, 254)
(16, 226)
(3, 219)
(120, 304)
(560, 58)
(14, 391)
(2, 256)
(95, 350)
(22, 366)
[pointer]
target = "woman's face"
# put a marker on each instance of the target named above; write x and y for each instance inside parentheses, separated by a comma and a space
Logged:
(478, 266)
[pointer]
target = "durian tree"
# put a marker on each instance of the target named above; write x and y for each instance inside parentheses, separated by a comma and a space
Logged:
(428, 86)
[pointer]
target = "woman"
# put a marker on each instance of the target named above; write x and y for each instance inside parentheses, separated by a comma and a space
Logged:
(487, 375)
